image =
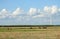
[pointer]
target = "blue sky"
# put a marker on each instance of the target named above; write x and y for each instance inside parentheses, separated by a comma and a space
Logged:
(29, 12)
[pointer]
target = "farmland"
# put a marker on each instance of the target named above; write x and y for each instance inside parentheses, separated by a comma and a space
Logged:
(30, 33)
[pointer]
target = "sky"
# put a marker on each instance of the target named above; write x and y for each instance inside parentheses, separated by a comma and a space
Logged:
(29, 12)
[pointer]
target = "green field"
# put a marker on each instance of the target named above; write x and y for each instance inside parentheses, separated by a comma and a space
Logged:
(27, 33)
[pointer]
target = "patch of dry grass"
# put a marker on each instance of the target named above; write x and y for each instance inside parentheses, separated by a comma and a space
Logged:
(49, 33)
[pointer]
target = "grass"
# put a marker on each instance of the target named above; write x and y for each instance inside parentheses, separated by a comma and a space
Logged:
(27, 33)
(18, 29)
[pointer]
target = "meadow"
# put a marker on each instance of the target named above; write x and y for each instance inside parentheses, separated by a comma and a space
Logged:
(30, 33)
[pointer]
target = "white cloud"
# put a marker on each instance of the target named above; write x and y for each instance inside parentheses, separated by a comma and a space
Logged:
(18, 11)
(51, 10)
(54, 9)
(41, 15)
(32, 11)
(47, 9)
(59, 9)
(3, 13)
